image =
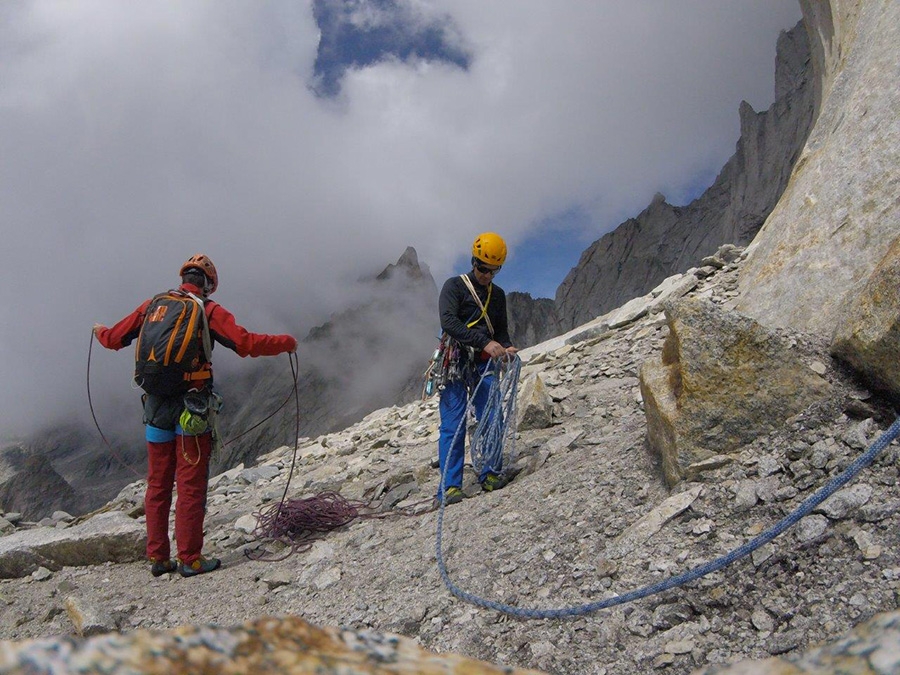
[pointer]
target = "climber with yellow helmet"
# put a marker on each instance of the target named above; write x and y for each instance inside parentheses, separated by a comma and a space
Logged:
(473, 316)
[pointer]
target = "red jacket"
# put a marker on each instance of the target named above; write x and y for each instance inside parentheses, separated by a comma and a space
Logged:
(222, 329)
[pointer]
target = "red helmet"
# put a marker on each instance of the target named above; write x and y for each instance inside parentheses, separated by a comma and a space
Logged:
(205, 265)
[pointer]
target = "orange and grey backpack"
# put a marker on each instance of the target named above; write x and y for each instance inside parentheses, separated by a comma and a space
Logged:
(173, 342)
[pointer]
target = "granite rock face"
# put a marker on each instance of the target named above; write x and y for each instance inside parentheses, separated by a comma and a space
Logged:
(868, 332)
(356, 362)
(664, 239)
(721, 380)
(840, 213)
(531, 320)
(277, 646)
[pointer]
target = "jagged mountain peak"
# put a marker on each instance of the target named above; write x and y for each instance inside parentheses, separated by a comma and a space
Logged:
(408, 263)
(408, 267)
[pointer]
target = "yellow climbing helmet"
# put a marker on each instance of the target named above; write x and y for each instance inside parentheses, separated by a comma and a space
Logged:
(489, 248)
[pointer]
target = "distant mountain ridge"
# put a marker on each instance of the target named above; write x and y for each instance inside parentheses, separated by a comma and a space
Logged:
(367, 357)
(664, 239)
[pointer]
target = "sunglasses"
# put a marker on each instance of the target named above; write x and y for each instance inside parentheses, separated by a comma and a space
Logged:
(486, 270)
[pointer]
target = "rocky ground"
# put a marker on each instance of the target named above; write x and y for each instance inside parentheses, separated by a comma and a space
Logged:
(568, 530)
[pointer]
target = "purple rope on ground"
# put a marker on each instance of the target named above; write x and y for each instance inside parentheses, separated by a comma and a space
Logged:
(297, 523)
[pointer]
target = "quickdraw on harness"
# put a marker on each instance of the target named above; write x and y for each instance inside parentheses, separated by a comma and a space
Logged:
(446, 365)
(200, 414)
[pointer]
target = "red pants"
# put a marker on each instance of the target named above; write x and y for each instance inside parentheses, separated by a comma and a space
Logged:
(182, 463)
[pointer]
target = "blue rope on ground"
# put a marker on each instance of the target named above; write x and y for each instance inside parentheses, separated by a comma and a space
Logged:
(788, 521)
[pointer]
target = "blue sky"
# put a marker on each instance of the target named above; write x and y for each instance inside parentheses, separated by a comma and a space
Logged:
(537, 261)
(305, 144)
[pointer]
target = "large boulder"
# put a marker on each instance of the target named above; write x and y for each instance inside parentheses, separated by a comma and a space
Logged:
(839, 213)
(535, 405)
(868, 334)
(721, 380)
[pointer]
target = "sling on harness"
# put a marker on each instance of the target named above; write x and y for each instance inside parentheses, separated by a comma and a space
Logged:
(482, 306)
(448, 362)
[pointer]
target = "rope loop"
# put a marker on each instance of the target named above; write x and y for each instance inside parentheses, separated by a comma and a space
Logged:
(805, 508)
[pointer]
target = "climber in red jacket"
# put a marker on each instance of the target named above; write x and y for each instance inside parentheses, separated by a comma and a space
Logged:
(178, 402)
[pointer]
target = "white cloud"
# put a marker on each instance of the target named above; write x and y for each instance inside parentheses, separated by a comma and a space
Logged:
(133, 135)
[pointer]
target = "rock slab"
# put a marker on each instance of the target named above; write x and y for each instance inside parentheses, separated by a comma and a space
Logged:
(107, 537)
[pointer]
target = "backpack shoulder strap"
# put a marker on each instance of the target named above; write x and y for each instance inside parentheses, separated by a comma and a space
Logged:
(207, 341)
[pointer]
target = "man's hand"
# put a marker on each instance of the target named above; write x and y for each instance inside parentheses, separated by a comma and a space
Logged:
(494, 349)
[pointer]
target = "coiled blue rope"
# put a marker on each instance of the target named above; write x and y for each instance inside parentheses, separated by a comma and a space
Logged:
(493, 443)
(492, 425)
(788, 521)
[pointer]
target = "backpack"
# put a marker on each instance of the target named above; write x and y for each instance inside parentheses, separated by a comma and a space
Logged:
(173, 339)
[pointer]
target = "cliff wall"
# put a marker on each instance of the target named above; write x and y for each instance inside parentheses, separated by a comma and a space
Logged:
(838, 215)
(665, 239)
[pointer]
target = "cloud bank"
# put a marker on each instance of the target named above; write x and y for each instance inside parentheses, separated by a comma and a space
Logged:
(133, 135)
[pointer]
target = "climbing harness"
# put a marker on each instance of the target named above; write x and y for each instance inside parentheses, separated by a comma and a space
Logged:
(447, 363)
(482, 306)
(805, 508)
(213, 407)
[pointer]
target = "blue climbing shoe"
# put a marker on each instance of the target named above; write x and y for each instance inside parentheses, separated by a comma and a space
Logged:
(453, 495)
(200, 566)
(493, 482)
(160, 567)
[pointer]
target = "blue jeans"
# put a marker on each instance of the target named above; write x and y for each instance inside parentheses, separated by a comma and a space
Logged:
(453, 411)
